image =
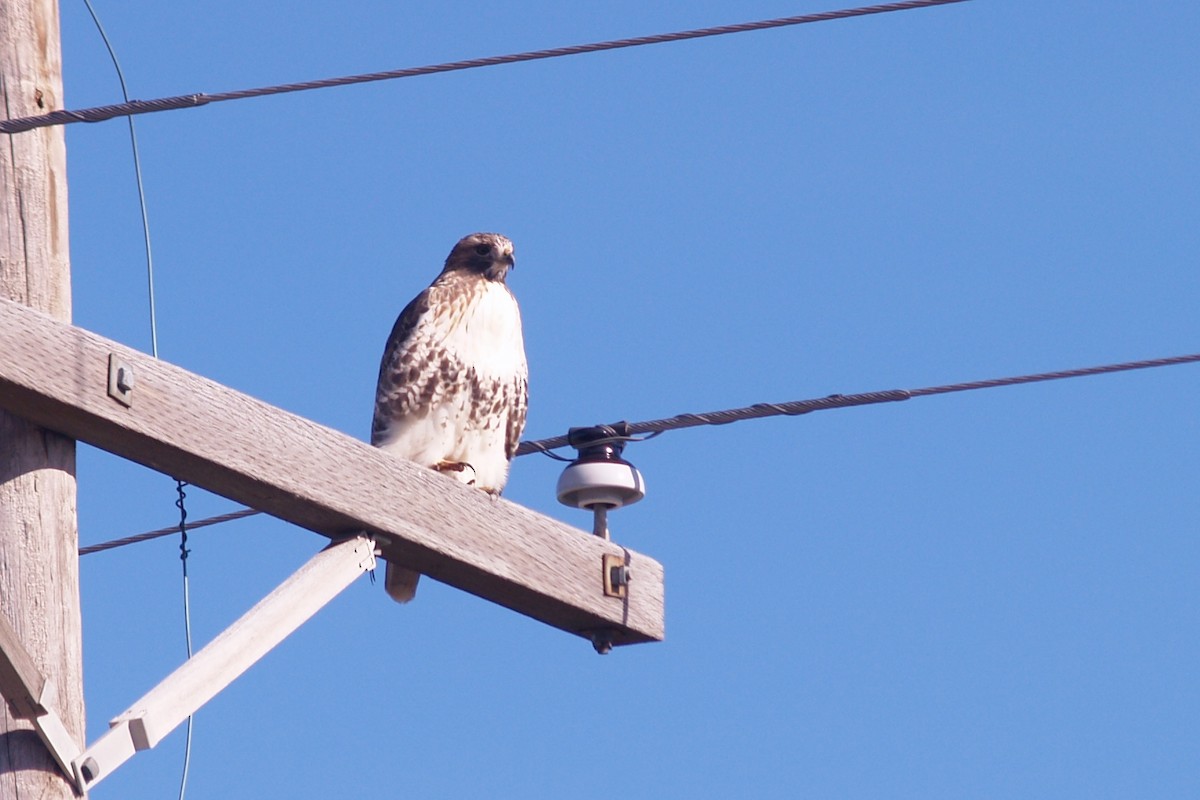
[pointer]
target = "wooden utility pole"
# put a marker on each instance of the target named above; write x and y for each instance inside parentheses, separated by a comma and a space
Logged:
(39, 567)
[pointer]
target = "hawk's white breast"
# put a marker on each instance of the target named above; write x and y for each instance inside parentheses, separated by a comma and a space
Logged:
(489, 335)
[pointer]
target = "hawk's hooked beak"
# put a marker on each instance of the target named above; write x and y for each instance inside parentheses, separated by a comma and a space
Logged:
(501, 266)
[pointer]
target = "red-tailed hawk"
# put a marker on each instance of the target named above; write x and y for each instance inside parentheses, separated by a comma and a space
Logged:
(453, 385)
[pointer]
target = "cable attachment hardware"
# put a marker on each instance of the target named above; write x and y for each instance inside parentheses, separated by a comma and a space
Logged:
(599, 479)
(120, 380)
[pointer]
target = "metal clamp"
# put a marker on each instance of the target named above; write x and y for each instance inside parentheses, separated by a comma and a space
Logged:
(120, 380)
(616, 576)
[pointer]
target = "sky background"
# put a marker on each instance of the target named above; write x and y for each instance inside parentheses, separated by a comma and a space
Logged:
(990, 594)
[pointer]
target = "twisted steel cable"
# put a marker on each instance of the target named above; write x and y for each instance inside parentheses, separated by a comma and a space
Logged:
(145, 537)
(132, 107)
(797, 407)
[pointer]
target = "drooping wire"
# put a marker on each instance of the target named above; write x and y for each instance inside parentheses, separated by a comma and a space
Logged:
(137, 171)
(187, 621)
(184, 552)
(179, 484)
(101, 113)
(759, 410)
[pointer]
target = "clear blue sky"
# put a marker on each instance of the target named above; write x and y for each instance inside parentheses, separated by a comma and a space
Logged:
(982, 595)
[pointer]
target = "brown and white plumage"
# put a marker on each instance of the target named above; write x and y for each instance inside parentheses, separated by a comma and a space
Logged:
(453, 383)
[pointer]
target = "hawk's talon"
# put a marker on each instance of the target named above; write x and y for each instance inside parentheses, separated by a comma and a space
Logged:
(447, 467)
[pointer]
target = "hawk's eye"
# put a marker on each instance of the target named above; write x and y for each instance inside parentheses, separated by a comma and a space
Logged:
(483, 249)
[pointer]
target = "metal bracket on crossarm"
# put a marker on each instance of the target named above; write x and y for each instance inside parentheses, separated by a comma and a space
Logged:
(226, 657)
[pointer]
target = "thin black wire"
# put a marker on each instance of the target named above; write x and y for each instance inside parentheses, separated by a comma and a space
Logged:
(756, 411)
(131, 107)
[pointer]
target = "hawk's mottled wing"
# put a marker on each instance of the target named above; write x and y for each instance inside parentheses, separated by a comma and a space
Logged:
(518, 407)
(397, 394)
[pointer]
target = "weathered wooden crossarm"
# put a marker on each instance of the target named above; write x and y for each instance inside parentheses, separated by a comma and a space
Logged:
(177, 422)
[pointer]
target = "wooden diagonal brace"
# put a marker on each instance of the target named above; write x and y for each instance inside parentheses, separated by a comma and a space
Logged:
(31, 696)
(222, 660)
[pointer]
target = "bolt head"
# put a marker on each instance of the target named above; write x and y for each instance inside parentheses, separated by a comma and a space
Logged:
(125, 379)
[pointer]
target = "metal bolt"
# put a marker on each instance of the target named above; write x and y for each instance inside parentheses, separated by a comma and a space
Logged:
(620, 576)
(90, 770)
(120, 381)
(602, 642)
(600, 520)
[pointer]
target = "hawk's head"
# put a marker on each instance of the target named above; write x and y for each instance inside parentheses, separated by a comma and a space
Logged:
(486, 254)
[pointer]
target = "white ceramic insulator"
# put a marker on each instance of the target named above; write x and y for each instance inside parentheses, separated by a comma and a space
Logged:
(613, 483)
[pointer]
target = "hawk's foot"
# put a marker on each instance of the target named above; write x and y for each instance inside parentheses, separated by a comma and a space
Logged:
(459, 470)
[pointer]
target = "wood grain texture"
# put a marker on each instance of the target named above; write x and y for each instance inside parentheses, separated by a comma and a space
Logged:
(39, 585)
(232, 444)
(21, 682)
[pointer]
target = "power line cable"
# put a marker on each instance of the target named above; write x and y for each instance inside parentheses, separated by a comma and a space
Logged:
(157, 534)
(797, 407)
(756, 411)
(131, 107)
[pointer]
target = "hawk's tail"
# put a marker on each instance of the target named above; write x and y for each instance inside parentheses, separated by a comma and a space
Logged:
(400, 582)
